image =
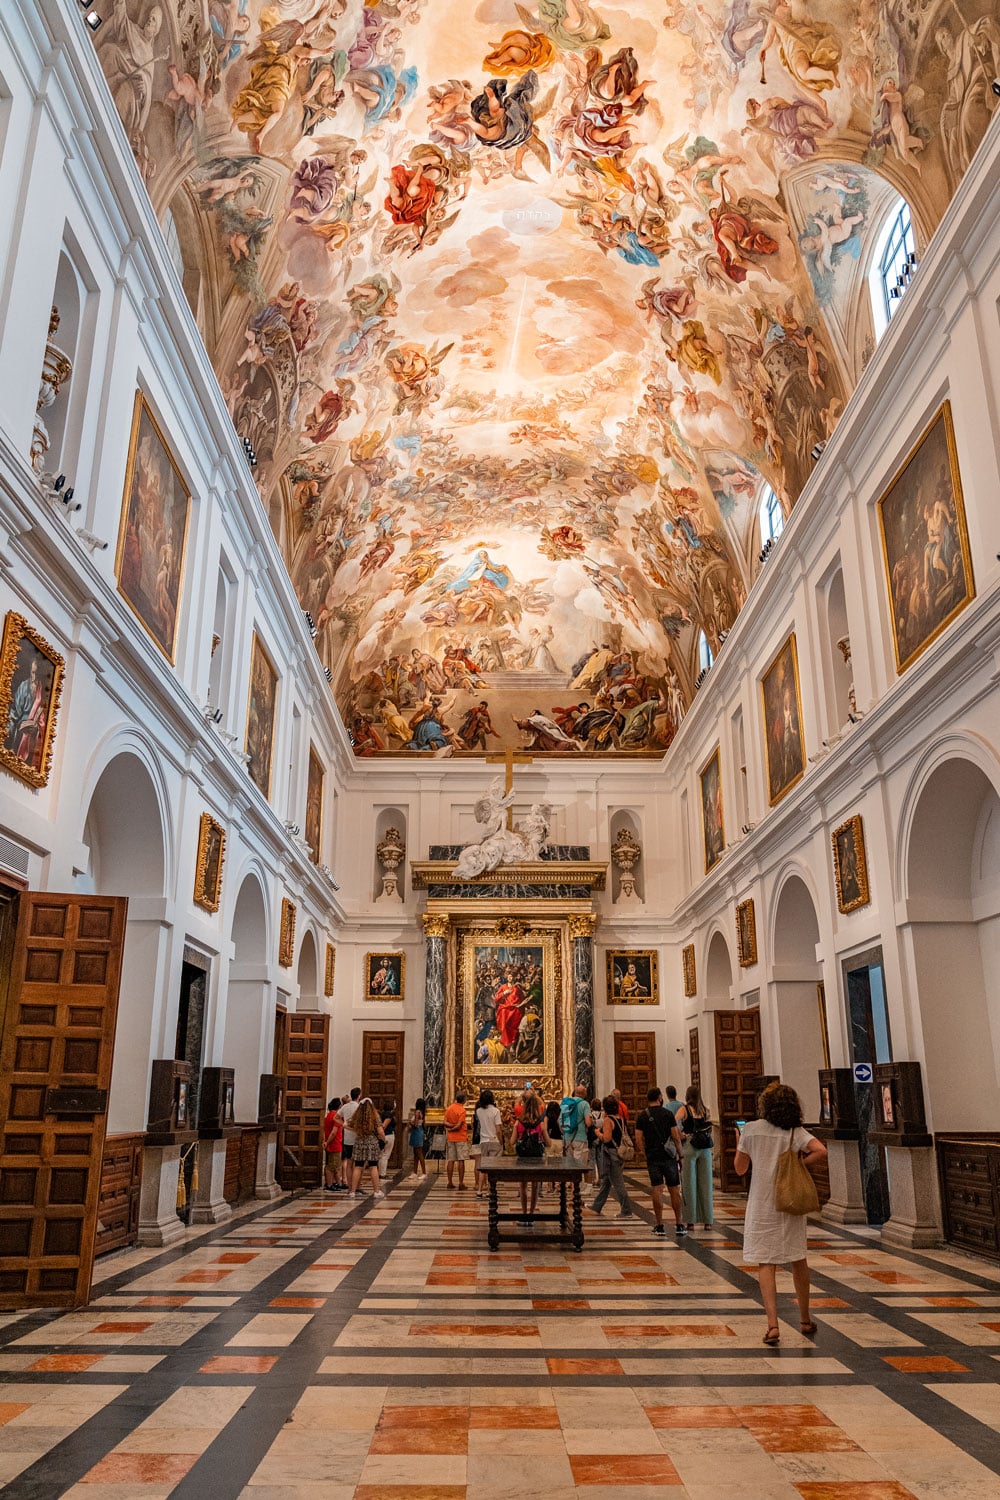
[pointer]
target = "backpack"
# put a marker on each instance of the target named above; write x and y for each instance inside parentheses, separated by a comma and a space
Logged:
(570, 1116)
(625, 1148)
(699, 1132)
(529, 1143)
(475, 1128)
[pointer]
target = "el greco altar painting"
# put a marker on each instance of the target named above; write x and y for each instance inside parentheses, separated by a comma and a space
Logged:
(521, 304)
(510, 1006)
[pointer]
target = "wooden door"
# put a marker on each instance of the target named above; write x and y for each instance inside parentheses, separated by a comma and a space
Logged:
(55, 1072)
(300, 1144)
(382, 1078)
(737, 1062)
(635, 1068)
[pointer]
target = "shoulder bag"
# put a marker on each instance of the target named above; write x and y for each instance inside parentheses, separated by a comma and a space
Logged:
(794, 1189)
(624, 1145)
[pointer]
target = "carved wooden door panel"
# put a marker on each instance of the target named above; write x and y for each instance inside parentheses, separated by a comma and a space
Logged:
(382, 1078)
(300, 1145)
(694, 1058)
(635, 1068)
(737, 1061)
(55, 1072)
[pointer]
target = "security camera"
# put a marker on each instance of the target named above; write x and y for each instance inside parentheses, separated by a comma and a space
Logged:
(293, 829)
(817, 450)
(90, 541)
(212, 714)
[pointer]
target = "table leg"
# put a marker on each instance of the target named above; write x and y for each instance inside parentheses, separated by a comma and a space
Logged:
(577, 1236)
(563, 1215)
(493, 1238)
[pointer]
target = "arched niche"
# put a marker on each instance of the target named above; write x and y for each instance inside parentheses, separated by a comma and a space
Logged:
(795, 976)
(389, 818)
(838, 679)
(248, 1044)
(127, 856)
(718, 974)
(307, 974)
(62, 389)
(627, 825)
(952, 882)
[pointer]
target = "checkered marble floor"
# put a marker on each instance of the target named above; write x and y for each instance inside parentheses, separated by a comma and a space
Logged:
(319, 1349)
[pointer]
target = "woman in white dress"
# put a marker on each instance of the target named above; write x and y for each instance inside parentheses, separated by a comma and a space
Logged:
(771, 1238)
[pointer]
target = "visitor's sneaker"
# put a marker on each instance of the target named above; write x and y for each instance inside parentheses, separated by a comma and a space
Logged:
(624, 1216)
(378, 1197)
(681, 1232)
(659, 1229)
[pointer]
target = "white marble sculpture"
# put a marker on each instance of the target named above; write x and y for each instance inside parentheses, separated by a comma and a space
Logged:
(499, 844)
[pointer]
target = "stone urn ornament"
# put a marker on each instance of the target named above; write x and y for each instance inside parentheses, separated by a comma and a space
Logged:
(57, 367)
(626, 852)
(390, 851)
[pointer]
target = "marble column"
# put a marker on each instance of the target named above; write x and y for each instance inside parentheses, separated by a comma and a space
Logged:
(581, 931)
(436, 934)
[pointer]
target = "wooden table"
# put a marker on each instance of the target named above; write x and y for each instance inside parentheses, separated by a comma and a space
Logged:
(514, 1169)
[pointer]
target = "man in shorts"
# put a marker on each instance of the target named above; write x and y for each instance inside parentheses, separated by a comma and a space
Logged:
(457, 1149)
(347, 1113)
(660, 1138)
(333, 1144)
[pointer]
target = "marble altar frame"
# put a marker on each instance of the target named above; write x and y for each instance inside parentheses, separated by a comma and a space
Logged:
(551, 938)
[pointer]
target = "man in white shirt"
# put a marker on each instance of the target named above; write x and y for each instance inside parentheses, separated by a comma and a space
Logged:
(347, 1113)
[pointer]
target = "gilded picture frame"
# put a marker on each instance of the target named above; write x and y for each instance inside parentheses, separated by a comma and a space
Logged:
(31, 674)
(153, 530)
(286, 933)
(511, 1008)
(209, 862)
(925, 542)
(850, 865)
(262, 699)
(746, 933)
(314, 806)
(781, 709)
(329, 969)
(713, 823)
(385, 975)
(688, 971)
(633, 976)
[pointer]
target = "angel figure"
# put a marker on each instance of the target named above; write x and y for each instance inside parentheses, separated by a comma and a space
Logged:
(413, 370)
(274, 66)
(500, 845)
(502, 118)
(893, 127)
(737, 233)
(572, 24)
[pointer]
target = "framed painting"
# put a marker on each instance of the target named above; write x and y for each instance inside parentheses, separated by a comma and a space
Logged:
(208, 866)
(781, 704)
(152, 536)
(314, 806)
(261, 703)
(633, 976)
(688, 970)
(31, 675)
(286, 933)
(746, 933)
(328, 970)
(385, 976)
(850, 865)
(925, 542)
(712, 822)
(509, 993)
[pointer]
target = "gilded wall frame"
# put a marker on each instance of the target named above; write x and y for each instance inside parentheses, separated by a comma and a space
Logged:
(713, 822)
(329, 969)
(385, 975)
(781, 710)
(262, 701)
(746, 933)
(208, 865)
(633, 976)
(850, 865)
(541, 1052)
(286, 933)
(688, 971)
(31, 673)
(153, 530)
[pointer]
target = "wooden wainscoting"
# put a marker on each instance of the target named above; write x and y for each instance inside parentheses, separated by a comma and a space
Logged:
(118, 1200)
(969, 1172)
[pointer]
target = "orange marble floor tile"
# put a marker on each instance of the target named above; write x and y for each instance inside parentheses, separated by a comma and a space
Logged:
(165, 1301)
(204, 1276)
(410, 1492)
(450, 1278)
(66, 1362)
(630, 1469)
(515, 1281)
(297, 1302)
(474, 1330)
(648, 1278)
(457, 1260)
(140, 1468)
(878, 1489)
(235, 1258)
(122, 1327)
(500, 1418)
(925, 1364)
(667, 1330)
(404, 1418)
(828, 1302)
(584, 1367)
(415, 1440)
(893, 1278)
(637, 1260)
(848, 1258)
(794, 1439)
(783, 1416)
(238, 1364)
(993, 1327)
(559, 1304)
(682, 1417)
(11, 1409)
(948, 1301)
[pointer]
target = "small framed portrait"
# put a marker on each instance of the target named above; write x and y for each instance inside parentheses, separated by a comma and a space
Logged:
(781, 704)
(208, 867)
(633, 976)
(925, 542)
(850, 865)
(286, 933)
(149, 563)
(687, 966)
(712, 822)
(227, 1105)
(385, 975)
(261, 702)
(329, 969)
(182, 1103)
(888, 1106)
(314, 806)
(30, 683)
(746, 933)
(825, 1105)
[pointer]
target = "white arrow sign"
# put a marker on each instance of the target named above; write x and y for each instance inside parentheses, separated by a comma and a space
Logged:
(862, 1072)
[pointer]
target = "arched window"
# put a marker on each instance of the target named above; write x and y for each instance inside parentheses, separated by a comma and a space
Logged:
(772, 518)
(705, 655)
(892, 265)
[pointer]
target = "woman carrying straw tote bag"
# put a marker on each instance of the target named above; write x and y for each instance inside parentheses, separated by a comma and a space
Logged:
(774, 1231)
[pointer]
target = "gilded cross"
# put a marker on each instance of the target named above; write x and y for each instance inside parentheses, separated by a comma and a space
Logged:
(510, 758)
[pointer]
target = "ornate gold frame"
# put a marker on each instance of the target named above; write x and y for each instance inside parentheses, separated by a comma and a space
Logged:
(258, 645)
(317, 854)
(16, 629)
(944, 410)
(654, 974)
(855, 827)
(202, 895)
(789, 640)
(389, 953)
(746, 951)
(557, 1030)
(142, 405)
(329, 969)
(688, 971)
(715, 755)
(286, 933)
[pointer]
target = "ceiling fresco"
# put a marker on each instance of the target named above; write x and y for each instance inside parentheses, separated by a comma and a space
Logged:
(521, 305)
